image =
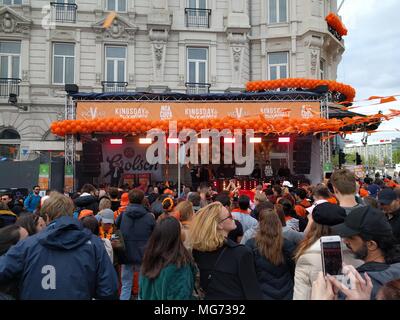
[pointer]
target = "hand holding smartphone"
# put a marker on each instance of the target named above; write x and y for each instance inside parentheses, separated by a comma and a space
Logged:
(331, 254)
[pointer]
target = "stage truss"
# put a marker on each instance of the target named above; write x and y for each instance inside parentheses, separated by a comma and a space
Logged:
(290, 96)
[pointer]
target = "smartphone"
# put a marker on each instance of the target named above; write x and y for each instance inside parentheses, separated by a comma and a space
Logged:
(331, 254)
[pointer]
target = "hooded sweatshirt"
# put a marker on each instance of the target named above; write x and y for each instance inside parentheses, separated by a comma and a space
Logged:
(64, 262)
(136, 225)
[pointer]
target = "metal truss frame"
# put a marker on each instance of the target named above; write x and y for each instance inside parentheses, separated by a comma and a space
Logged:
(325, 143)
(70, 141)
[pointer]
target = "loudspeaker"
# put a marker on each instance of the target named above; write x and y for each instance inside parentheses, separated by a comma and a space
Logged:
(71, 88)
(92, 152)
(302, 155)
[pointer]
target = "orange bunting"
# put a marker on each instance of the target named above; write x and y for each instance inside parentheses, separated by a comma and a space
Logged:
(334, 21)
(258, 123)
(388, 99)
(333, 86)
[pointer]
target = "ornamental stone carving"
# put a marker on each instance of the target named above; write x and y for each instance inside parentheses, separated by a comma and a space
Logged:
(119, 29)
(12, 22)
(158, 38)
(313, 61)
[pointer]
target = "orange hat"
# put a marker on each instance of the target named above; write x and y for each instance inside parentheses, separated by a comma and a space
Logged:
(85, 213)
(168, 204)
(124, 199)
(168, 191)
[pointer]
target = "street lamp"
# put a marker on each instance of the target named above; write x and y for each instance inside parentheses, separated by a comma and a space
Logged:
(13, 100)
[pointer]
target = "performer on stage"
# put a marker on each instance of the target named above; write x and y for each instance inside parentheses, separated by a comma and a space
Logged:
(269, 173)
(116, 175)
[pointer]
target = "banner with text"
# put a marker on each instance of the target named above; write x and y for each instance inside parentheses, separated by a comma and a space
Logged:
(88, 110)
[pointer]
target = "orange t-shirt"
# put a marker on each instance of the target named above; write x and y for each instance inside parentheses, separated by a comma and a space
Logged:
(300, 210)
(332, 200)
(363, 193)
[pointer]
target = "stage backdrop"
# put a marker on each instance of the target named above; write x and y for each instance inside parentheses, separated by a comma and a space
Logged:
(132, 157)
(195, 110)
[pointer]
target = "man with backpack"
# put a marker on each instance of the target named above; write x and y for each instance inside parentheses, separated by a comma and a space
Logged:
(33, 199)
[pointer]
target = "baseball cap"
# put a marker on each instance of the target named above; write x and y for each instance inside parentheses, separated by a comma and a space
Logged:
(364, 221)
(124, 199)
(107, 216)
(287, 184)
(386, 196)
(328, 214)
(85, 213)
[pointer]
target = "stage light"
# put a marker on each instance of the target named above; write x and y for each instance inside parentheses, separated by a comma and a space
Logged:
(229, 140)
(203, 140)
(255, 140)
(116, 141)
(173, 140)
(284, 139)
(145, 140)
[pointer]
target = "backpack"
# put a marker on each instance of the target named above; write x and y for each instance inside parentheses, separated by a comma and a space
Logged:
(76, 213)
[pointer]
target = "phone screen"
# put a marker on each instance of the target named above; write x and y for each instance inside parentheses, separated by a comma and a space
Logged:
(332, 255)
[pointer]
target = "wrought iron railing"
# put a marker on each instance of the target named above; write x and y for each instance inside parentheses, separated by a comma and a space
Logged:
(197, 88)
(9, 85)
(198, 18)
(64, 12)
(114, 86)
(335, 33)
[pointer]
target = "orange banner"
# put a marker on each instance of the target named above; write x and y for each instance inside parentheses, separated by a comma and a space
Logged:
(88, 110)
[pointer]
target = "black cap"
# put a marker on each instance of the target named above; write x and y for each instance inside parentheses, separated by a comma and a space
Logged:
(366, 222)
(387, 196)
(328, 214)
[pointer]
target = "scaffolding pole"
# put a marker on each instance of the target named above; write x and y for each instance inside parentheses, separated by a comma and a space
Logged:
(70, 142)
(325, 143)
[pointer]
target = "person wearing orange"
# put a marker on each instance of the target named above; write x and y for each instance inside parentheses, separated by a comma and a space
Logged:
(106, 228)
(123, 204)
(301, 202)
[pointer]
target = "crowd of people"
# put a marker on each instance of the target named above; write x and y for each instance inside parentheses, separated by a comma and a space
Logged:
(168, 244)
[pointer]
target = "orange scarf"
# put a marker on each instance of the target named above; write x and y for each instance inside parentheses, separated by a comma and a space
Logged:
(105, 234)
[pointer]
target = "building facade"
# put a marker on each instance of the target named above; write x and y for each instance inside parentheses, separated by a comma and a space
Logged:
(379, 153)
(192, 46)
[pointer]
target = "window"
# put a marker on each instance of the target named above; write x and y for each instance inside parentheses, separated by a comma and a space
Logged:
(197, 4)
(64, 10)
(10, 2)
(322, 69)
(9, 144)
(10, 53)
(277, 11)
(197, 66)
(278, 65)
(63, 63)
(197, 14)
(115, 64)
(116, 5)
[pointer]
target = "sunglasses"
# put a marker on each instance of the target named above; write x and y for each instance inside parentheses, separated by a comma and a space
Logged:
(228, 217)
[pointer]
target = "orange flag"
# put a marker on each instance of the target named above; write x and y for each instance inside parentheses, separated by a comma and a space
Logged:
(109, 20)
(388, 99)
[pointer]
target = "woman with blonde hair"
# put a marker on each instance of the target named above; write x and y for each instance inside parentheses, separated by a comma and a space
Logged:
(273, 257)
(226, 268)
(184, 213)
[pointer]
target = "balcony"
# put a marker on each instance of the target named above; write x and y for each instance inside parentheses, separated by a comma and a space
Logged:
(114, 86)
(197, 88)
(64, 12)
(197, 18)
(9, 85)
(335, 33)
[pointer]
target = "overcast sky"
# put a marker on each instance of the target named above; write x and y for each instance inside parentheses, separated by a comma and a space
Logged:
(371, 62)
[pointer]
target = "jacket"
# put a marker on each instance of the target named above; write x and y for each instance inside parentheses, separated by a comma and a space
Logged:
(63, 262)
(310, 264)
(136, 225)
(247, 221)
(172, 283)
(380, 274)
(7, 218)
(233, 278)
(87, 201)
(276, 282)
(395, 223)
(31, 202)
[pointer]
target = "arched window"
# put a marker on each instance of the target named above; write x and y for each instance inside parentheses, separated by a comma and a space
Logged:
(9, 144)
